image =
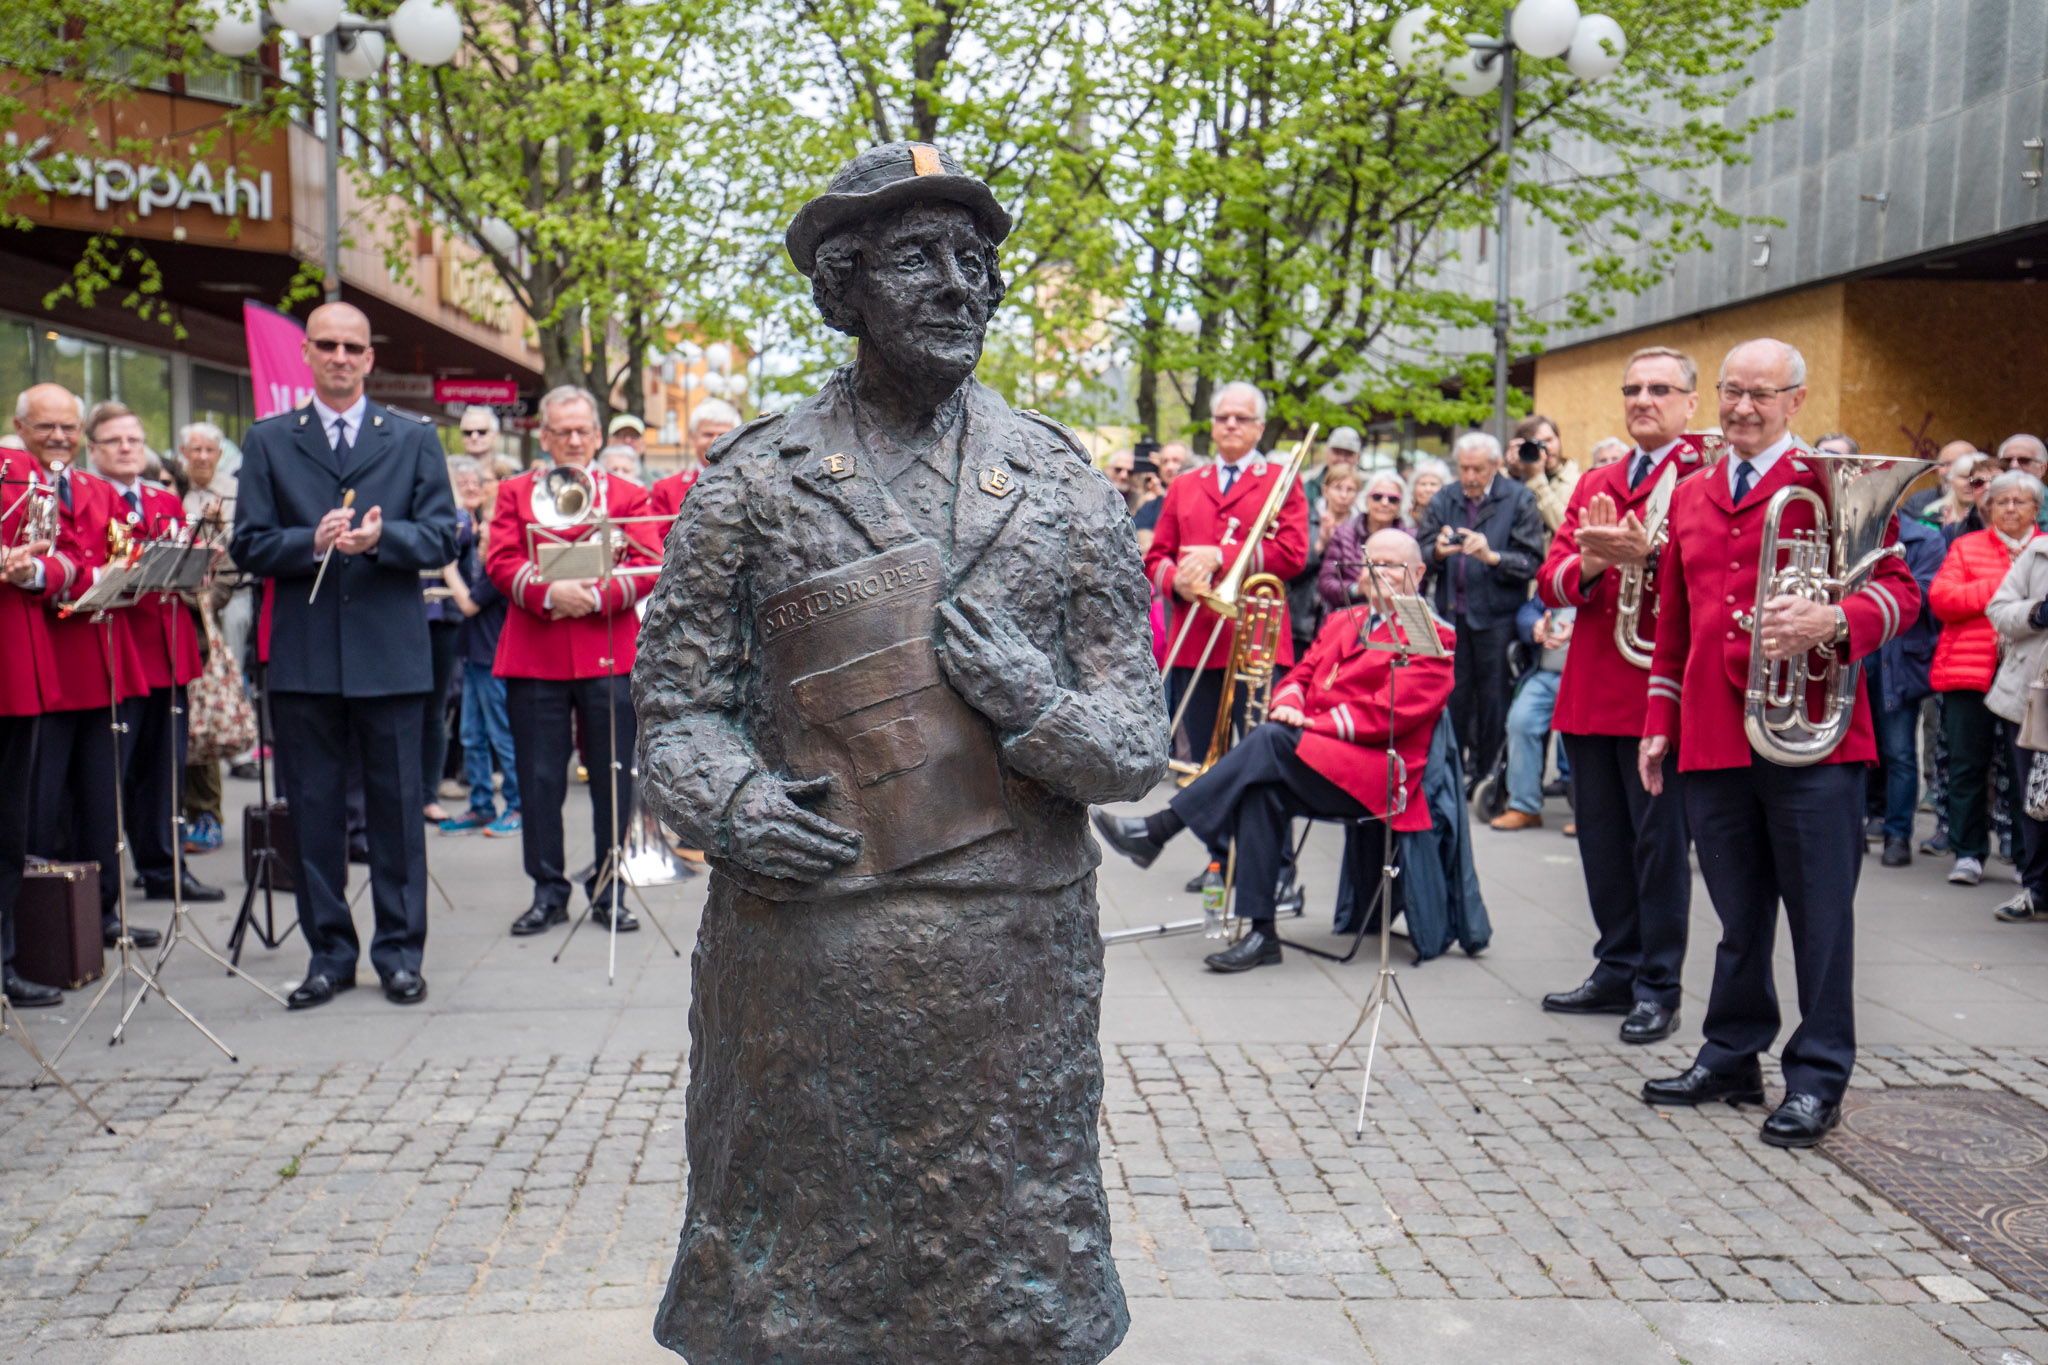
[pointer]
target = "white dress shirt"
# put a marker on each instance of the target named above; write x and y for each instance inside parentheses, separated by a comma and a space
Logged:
(351, 420)
(1760, 462)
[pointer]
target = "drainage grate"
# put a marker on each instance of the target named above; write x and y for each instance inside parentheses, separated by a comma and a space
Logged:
(1970, 1164)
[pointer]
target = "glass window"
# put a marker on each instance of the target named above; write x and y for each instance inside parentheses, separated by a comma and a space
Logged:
(79, 365)
(223, 398)
(142, 380)
(17, 360)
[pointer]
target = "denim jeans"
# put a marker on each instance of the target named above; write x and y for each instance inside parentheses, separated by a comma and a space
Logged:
(486, 730)
(1898, 742)
(1528, 730)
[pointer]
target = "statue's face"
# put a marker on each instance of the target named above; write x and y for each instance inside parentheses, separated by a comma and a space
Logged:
(924, 289)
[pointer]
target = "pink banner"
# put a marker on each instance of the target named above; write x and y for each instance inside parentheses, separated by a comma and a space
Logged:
(277, 362)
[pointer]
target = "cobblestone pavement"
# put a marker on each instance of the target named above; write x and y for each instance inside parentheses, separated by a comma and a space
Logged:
(277, 1196)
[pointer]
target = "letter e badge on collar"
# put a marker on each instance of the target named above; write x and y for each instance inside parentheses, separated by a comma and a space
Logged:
(997, 483)
(838, 468)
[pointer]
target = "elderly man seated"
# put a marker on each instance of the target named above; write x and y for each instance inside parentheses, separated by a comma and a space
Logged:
(1322, 752)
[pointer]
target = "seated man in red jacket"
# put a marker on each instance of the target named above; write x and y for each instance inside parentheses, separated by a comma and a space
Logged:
(1322, 752)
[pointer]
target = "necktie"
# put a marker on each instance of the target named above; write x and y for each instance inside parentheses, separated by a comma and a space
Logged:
(1224, 474)
(134, 503)
(1640, 472)
(341, 446)
(1745, 475)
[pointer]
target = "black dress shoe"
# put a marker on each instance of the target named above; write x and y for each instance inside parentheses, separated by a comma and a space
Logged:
(601, 916)
(24, 994)
(1203, 881)
(1649, 1022)
(159, 889)
(538, 919)
(1898, 853)
(1126, 834)
(246, 772)
(405, 988)
(1701, 1086)
(1801, 1121)
(1588, 998)
(110, 935)
(1253, 950)
(317, 989)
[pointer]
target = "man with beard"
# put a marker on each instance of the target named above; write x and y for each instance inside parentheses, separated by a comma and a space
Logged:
(898, 647)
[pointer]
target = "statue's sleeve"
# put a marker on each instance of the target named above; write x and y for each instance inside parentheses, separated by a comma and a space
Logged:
(1104, 738)
(689, 678)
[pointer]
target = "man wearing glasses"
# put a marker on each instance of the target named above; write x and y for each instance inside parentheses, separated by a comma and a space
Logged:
(350, 662)
(1201, 535)
(1632, 844)
(479, 433)
(1764, 831)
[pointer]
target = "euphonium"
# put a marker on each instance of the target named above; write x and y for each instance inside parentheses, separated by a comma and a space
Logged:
(1825, 564)
(37, 503)
(566, 496)
(1635, 578)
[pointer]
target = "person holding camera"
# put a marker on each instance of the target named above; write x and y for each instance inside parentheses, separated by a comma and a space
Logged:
(1540, 464)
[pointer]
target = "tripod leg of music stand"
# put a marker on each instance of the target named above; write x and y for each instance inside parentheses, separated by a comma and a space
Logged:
(106, 984)
(245, 920)
(26, 1041)
(1371, 1047)
(1408, 1015)
(648, 911)
(446, 899)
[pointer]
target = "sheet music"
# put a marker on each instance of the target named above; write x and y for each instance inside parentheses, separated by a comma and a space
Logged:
(1414, 629)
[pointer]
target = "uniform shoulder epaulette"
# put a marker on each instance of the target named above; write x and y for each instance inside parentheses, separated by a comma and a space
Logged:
(723, 446)
(424, 420)
(1060, 430)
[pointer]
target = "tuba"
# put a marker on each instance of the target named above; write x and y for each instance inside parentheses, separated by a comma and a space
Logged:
(1825, 564)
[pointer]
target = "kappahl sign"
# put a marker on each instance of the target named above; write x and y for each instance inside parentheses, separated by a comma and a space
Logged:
(112, 180)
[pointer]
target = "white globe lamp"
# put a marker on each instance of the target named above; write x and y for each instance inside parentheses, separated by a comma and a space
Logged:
(1464, 74)
(427, 31)
(1597, 48)
(1544, 28)
(718, 356)
(233, 28)
(1409, 34)
(307, 18)
(358, 53)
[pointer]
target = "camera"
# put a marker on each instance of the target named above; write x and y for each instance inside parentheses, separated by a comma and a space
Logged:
(1529, 452)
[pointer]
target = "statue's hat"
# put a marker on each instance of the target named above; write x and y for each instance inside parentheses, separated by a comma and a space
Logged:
(881, 178)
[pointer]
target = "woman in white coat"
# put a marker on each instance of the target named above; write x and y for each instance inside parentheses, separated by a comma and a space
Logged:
(2019, 612)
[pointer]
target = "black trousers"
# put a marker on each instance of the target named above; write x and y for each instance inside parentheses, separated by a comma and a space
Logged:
(434, 712)
(540, 710)
(2030, 836)
(149, 775)
(1763, 833)
(1973, 731)
(1632, 846)
(1198, 724)
(1479, 694)
(17, 755)
(316, 732)
(1253, 793)
(71, 816)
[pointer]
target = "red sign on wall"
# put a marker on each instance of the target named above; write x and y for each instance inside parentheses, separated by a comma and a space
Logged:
(485, 391)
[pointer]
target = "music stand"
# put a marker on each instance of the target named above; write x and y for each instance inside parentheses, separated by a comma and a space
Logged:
(168, 566)
(116, 589)
(12, 1026)
(559, 558)
(1411, 634)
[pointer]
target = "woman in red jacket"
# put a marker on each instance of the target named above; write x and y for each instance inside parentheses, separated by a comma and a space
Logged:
(1966, 660)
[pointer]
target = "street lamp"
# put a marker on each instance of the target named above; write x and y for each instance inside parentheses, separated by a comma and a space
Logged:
(425, 31)
(1592, 47)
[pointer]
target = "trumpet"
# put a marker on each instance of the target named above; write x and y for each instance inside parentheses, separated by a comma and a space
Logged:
(1823, 564)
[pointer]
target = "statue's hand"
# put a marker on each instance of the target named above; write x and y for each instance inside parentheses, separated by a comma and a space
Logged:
(771, 834)
(994, 666)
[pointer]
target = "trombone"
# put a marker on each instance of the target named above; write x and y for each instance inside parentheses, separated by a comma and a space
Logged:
(1254, 656)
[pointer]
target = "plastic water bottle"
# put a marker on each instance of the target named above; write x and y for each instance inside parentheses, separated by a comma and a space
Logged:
(1213, 923)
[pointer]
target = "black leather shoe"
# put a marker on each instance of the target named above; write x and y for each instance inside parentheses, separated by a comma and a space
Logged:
(1649, 1022)
(1898, 853)
(318, 989)
(1588, 998)
(1253, 950)
(1126, 834)
(405, 988)
(1202, 881)
(1701, 1086)
(24, 994)
(538, 919)
(159, 889)
(601, 916)
(1801, 1121)
(110, 935)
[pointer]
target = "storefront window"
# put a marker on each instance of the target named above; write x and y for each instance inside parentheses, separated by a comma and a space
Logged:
(142, 380)
(17, 360)
(32, 353)
(79, 365)
(223, 398)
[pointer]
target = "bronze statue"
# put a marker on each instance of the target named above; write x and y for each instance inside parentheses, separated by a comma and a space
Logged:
(899, 645)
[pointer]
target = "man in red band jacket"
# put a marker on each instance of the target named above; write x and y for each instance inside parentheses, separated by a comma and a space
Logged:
(1764, 830)
(1202, 531)
(154, 722)
(72, 807)
(26, 684)
(566, 651)
(1632, 844)
(1323, 752)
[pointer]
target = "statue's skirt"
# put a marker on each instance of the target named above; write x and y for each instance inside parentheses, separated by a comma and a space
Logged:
(892, 1133)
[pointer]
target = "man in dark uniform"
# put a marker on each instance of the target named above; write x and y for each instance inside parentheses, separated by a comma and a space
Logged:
(897, 648)
(348, 665)
(1764, 830)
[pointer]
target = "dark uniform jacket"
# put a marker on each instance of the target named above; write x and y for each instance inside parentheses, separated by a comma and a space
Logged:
(791, 631)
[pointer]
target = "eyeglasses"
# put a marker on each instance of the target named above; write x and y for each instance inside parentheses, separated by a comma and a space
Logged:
(572, 433)
(1979, 482)
(1654, 390)
(328, 345)
(1394, 498)
(1224, 419)
(1733, 394)
(476, 431)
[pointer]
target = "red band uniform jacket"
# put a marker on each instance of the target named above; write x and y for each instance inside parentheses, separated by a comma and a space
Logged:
(665, 499)
(1197, 514)
(1707, 577)
(1342, 687)
(148, 622)
(1602, 693)
(534, 646)
(88, 508)
(28, 683)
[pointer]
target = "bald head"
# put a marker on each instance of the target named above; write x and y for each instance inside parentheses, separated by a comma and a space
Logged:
(1393, 564)
(49, 419)
(338, 351)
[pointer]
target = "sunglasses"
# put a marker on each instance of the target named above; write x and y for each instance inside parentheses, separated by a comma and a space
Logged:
(1654, 390)
(1383, 497)
(476, 431)
(328, 345)
(1979, 482)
